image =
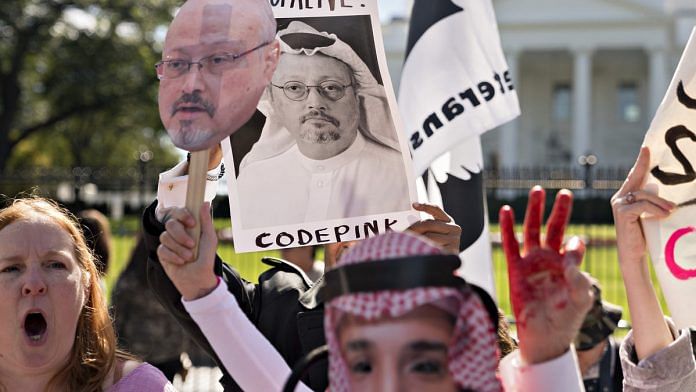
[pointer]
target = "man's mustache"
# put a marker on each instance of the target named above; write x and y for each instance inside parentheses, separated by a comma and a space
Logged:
(193, 99)
(319, 115)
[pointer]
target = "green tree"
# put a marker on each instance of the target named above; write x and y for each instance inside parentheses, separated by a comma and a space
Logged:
(77, 83)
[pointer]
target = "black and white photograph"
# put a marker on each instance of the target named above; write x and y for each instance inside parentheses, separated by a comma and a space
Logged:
(323, 146)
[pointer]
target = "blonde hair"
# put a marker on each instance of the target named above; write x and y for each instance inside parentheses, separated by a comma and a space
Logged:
(94, 350)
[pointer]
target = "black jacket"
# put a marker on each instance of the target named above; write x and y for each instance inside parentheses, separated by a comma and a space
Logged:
(283, 306)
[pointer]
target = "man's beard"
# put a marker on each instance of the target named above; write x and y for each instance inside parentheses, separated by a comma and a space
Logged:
(319, 135)
(191, 136)
(326, 133)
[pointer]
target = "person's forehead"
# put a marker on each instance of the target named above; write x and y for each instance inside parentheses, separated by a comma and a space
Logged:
(397, 331)
(212, 26)
(27, 231)
(205, 48)
(312, 68)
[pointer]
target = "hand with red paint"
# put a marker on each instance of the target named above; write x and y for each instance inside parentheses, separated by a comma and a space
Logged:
(650, 332)
(550, 296)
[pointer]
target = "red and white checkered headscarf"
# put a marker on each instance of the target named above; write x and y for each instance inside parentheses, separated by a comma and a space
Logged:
(473, 351)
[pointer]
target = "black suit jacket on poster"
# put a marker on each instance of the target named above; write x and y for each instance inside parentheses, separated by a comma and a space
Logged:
(283, 306)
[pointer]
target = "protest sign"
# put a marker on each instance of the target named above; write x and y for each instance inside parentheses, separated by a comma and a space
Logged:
(453, 90)
(324, 159)
(201, 106)
(672, 142)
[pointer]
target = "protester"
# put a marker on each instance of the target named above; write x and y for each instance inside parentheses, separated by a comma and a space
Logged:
(412, 326)
(305, 258)
(598, 352)
(548, 293)
(97, 232)
(223, 321)
(655, 356)
(55, 331)
(143, 326)
(329, 142)
(283, 306)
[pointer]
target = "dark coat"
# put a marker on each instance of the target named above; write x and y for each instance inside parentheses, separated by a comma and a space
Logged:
(283, 306)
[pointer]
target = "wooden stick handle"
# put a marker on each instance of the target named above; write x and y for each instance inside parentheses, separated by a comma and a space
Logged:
(198, 169)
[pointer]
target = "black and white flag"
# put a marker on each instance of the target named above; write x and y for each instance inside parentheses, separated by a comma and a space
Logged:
(455, 85)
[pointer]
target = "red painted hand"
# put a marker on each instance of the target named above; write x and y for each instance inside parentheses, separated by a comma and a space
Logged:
(549, 295)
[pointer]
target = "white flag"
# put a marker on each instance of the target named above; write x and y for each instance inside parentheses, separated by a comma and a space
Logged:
(455, 86)
(455, 82)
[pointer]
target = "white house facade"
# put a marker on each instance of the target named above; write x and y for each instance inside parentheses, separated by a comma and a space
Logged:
(589, 74)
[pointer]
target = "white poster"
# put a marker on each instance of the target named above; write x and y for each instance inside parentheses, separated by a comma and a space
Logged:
(672, 142)
(324, 159)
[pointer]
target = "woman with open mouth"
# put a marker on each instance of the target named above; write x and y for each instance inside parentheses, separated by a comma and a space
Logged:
(55, 331)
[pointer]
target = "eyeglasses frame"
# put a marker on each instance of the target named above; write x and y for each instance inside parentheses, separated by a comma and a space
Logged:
(234, 57)
(307, 87)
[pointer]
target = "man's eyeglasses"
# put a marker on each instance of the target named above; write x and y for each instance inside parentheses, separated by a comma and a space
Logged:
(214, 64)
(298, 91)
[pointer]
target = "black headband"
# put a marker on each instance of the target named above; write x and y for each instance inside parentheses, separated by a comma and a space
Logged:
(394, 274)
(403, 273)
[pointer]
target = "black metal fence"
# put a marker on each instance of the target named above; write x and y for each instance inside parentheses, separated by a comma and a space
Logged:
(96, 186)
(591, 219)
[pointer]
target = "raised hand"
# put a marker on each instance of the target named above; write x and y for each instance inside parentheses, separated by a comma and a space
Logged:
(650, 333)
(549, 294)
(628, 204)
(440, 229)
(193, 278)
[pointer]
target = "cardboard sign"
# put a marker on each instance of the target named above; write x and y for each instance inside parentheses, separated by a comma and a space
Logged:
(324, 159)
(207, 91)
(672, 142)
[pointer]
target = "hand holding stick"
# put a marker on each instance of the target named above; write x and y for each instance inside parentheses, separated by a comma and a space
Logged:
(195, 192)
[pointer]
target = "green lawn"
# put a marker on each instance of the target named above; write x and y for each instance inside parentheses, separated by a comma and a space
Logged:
(248, 264)
(600, 261)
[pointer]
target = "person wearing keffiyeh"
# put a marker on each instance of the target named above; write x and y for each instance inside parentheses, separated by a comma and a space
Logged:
(417, 303)
(435, 338)
(373, 324)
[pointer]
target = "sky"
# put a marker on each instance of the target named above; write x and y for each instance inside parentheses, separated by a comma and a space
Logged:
(391, 8)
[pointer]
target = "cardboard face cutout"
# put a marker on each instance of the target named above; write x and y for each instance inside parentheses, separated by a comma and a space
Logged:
(212, 71)
(325, 159)
(672, 142)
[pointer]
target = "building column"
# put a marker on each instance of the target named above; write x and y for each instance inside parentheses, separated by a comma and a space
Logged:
(582, 101)
(658, 79)
(509, 131)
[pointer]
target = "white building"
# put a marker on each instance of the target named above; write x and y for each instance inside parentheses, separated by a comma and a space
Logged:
(589, 75)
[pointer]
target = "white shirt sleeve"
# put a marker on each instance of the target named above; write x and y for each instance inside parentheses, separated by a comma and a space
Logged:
(171, 188)
(561, 373)
(249, 358)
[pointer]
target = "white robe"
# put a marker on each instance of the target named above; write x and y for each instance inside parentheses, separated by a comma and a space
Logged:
(365, 179)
